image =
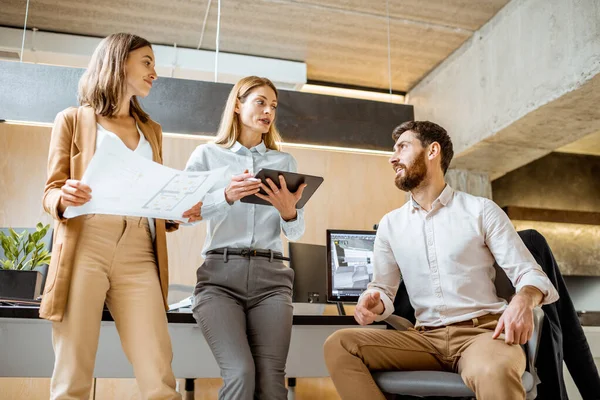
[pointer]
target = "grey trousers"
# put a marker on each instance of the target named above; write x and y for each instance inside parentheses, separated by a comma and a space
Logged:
(244, 308)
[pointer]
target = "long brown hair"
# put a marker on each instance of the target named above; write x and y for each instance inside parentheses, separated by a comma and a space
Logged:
(102, 85)
(230, 127)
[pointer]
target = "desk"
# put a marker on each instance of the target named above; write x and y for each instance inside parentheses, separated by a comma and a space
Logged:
(27, 343)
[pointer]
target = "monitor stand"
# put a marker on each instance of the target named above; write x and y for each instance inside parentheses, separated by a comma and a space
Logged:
(340, 307)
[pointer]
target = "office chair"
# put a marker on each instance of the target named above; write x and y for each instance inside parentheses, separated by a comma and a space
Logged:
(450, 384)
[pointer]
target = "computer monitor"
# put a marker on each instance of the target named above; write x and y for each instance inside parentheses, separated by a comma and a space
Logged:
(309, 262)
(349, 264)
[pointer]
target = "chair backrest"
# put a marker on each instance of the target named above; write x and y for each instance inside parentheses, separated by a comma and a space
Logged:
(504, 289)
(403, 308)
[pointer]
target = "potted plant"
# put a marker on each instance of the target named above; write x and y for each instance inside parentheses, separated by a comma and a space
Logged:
(25, 254)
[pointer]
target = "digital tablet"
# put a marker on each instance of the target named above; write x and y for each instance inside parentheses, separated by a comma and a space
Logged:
(293, 181)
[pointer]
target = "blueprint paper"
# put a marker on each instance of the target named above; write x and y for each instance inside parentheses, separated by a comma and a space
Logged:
(125, 183)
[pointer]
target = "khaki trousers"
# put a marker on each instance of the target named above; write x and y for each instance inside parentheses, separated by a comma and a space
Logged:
(115, 263)
(491, 368)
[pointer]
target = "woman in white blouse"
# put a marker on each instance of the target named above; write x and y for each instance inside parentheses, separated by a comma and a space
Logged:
(243, 296)
(119, 260)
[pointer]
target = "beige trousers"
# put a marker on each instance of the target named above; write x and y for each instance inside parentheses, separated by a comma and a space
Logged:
(115, 263)
(491, 368)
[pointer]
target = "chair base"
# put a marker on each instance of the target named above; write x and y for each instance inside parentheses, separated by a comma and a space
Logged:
(430, 383)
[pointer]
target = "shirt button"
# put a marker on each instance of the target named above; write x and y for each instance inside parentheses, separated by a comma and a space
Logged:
(438, 295)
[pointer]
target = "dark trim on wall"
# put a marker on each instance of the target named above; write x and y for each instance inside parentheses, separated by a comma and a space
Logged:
(547, 215)
(36, 93)
(354, 87)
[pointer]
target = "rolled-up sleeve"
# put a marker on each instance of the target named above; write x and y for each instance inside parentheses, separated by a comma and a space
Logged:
(59, 161)
(214, 203)
(512, 255)
(386, 273)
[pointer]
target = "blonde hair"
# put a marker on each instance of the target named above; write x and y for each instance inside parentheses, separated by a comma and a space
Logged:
(230, 126)
(102, 85)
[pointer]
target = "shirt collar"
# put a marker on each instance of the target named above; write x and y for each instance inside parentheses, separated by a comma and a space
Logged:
(260, 148)
(236, 147)
(443, 198)
(446, 195)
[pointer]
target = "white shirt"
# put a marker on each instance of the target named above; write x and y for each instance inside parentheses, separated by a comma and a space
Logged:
(143, 149)
(446, 257)
(243, 225)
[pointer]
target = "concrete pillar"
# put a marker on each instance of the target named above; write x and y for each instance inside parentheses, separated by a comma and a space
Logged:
(525, 84)
(475, 183)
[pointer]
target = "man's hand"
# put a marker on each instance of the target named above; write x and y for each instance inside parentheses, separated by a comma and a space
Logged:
(368, 308)
(517, 319)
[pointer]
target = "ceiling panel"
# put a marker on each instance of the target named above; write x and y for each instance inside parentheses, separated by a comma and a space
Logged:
(465, 14)
(341, 41)
(589, 144)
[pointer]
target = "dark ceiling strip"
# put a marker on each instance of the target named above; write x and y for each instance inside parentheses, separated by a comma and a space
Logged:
(36, 93)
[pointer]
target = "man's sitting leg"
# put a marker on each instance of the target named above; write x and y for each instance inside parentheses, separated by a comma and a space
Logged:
(489, 367)
(350, 355)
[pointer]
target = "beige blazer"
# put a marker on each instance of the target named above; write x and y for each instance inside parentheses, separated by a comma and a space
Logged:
(72, 146)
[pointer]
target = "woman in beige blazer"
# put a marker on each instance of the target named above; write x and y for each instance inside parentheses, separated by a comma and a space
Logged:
(98, 259)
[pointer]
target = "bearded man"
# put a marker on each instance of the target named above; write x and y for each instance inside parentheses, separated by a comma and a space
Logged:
(443, 244)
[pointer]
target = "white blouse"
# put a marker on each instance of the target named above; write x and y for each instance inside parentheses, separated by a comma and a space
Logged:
(143, 149)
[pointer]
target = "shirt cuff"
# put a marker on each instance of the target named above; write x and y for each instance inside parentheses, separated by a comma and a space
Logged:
(540, 282)
(219, 199)
(292, 224)
(388, 304)
(53, 199)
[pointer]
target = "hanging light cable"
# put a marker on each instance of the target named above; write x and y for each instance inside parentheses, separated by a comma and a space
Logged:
(24, 30)
(389, 48)
(217, 41)
(204, 24)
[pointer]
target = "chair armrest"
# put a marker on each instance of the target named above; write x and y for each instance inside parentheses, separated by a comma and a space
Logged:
(398, 323)
(534, 342)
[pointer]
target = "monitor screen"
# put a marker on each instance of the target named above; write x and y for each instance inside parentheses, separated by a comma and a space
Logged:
(349, 263)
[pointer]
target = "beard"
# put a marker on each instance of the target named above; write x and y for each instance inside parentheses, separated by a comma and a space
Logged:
(413, 175)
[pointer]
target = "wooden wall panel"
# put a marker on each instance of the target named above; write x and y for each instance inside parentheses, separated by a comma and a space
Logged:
(358, 190)
(23, 158)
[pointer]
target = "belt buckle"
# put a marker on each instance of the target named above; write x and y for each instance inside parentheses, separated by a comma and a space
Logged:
(245, 253)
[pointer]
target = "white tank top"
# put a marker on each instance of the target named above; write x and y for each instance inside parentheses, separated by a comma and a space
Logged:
(143, 149)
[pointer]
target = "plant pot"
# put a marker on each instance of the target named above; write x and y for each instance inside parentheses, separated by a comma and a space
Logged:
(20, 284)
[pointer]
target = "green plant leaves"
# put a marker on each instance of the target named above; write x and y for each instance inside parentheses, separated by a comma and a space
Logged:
(24, 251)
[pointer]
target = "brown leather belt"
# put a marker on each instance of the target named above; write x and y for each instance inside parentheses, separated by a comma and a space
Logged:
(473, 322)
